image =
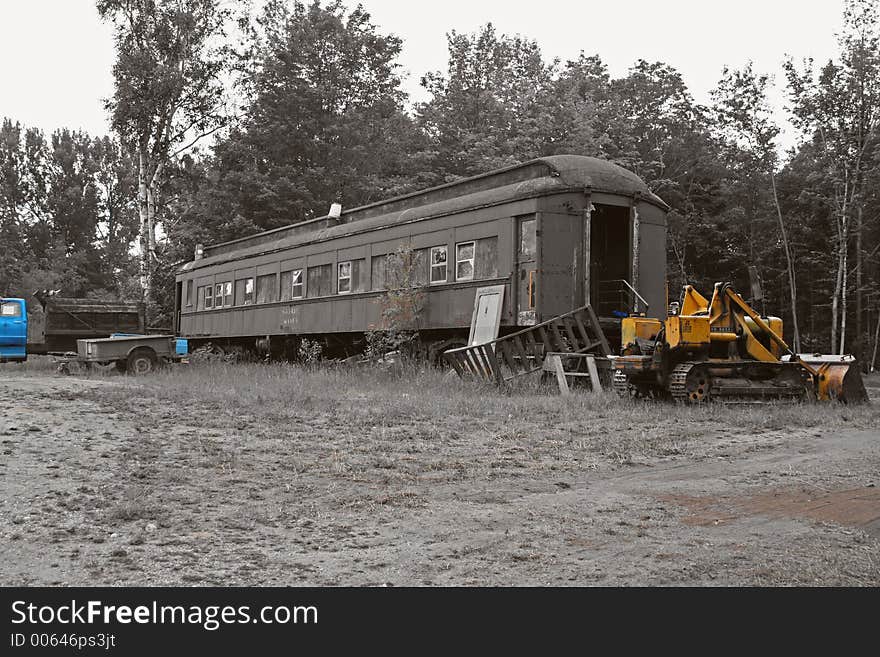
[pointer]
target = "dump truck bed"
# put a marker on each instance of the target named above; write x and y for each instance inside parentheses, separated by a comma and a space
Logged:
(63, 321)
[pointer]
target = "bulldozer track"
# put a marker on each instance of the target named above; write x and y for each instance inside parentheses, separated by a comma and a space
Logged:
(686, 386)
(680, 377)
(677, 382)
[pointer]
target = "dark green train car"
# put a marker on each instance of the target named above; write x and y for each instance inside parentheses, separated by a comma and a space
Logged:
(557, 232)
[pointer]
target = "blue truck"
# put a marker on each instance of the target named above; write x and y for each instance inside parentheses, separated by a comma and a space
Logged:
(86, 331)
(13, 330)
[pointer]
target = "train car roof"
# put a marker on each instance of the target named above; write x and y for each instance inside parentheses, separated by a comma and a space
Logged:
(552, 174)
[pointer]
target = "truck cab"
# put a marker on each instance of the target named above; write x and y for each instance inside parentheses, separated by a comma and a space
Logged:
(13, 330)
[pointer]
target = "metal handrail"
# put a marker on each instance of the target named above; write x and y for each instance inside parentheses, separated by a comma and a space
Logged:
(631, 289)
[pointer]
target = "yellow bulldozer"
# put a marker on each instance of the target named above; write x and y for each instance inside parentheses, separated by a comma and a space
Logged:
(723, 350)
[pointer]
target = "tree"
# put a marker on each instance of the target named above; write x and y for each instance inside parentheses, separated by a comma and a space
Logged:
(493, 106)
(655, 129)
(585, 109)
(744, 120)
(56, 200)
(118, 221)
(168, 92)
(838, 110)
(323, 123)
(24, 173)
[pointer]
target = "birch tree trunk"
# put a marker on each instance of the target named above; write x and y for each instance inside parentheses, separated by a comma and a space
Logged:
(876, 340)
(840, 280)
(144, 268)
(843, 286)
(861, 339)
(148, 182)
(838, 285)
(792, 287)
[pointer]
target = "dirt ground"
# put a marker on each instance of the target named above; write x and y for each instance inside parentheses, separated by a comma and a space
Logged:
(108, 480)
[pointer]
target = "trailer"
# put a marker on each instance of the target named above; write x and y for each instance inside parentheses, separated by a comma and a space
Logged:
(135, 354)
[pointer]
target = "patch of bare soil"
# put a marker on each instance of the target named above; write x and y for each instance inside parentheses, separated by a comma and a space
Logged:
(859, 507)
(107, 482)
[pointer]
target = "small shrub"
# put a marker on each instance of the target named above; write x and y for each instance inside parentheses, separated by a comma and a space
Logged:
(400, 307)
(310, 352)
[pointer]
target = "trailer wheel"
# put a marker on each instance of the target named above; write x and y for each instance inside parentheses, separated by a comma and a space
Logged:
(142, 360)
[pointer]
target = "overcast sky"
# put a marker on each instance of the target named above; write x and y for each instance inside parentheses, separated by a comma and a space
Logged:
(56, 56)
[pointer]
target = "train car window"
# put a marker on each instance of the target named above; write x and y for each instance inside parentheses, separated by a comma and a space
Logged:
(209, 297)
(201, 295)
(319, 283)
(344, 278)
(292, 284)
(532, 282)
(380, 272)
(296, 284)
(527, 239)
(10, 310)
(359, 275)
(285, 286)
(486, 265)
(464, 261)
(266, 288)
(438, 264)
(189, 293)
(227, 293)
(420, 267)
(218, 295)
(244, 291)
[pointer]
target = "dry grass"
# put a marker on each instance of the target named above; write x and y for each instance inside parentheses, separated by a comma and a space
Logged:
(280, 474)
(357, 404)
(34, 366)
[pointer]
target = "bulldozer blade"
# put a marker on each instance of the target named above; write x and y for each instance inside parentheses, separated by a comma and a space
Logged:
(840, 378)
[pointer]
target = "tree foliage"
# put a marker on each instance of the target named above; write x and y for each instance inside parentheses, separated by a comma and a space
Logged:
(64, 223)
(170, 57)
(322, 117)
(324, 123)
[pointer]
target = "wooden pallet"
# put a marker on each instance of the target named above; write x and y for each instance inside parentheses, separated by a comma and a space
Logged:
(523, 352)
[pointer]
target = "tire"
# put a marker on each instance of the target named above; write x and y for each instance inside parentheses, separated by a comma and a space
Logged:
(142, 360)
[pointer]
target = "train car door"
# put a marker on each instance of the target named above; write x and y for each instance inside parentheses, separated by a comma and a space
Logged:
(527, 270)
(611, 258)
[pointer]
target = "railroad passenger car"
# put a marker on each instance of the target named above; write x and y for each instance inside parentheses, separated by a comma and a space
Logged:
(556, 232)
